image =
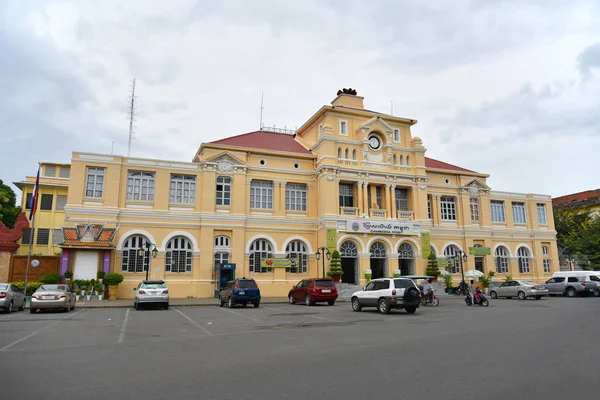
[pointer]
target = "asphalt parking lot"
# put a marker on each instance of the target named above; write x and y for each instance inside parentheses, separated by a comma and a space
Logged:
(512, 349)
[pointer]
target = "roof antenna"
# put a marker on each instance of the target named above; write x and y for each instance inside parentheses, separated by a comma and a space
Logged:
(392, 108)
(261, 109)
(112, 149)
(131, 116)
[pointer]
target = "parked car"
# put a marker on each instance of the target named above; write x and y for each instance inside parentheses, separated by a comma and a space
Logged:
(387, 293)
(151, 292)
(593, 276)
(241, 291)
(311, 291)
(519, 288)
(11, 297)
(570, 286)
(52, 297)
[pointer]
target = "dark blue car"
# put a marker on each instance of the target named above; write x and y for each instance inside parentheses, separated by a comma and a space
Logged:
(241, 291)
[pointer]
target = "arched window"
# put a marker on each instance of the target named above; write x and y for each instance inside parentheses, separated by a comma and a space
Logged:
(179, 255)
(347, 154)
(296, 251)
(501, 256)
(405, 252)
(395, 160)
(450, 252)
(378, 250)
(408, 160)
(401, 159)
(354, 157)
(348, 249)
(546, 260)
(523, 256)
(221, 241)
(339, 152)
(131, 261)
(260, 249)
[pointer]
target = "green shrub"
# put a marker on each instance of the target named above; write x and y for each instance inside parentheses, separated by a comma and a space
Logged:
(448, 281)
(508, 278)
(335, 266)
(100, 274)
(51, 278)
(68, 274)
(113, 279)
(31, 286)
(432, 266)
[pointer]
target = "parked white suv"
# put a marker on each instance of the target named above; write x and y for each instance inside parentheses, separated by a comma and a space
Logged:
(387, 293)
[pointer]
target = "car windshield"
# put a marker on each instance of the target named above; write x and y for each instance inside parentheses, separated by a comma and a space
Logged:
(154, 285)
(49, 288)
(3, 287)
(246, 284)
(322, 283)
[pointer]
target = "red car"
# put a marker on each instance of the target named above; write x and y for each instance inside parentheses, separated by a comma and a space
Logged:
(311, 291)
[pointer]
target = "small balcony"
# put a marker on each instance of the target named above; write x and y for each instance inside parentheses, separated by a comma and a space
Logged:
(378, 214)
(349, 211)
(405, 215)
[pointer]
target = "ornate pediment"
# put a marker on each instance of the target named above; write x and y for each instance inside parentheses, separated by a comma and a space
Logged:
(225, 162)
(377, 124)
(476, 187)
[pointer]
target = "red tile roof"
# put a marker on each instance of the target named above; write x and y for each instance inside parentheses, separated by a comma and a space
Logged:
(106, 234)
(70, 234)
(576, 197)
(431, 163)
(265, 141)
(78, 244)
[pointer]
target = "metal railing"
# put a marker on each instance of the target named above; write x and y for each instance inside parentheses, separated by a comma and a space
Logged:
(278, 130)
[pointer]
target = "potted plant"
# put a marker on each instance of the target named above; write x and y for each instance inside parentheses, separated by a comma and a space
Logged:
(68, 275)
(397, 273)
(485, 282)
(368, 274)
(112, 280)
(100, 275)
(432, 266)
(77, 294)
(335, 267)
(99, 290)
(88, 296)
(448, 283)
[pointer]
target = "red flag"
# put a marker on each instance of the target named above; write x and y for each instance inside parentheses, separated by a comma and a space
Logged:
(34, 195)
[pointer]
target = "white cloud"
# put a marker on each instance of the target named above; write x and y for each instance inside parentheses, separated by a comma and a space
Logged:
(506, 88)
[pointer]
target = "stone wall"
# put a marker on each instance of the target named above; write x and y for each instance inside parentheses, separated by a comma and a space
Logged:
(48, 264)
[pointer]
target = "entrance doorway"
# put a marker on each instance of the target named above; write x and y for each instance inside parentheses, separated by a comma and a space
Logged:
(378, 260)
(226, 275)
(479, 262)
(406, 259)
(349, 256)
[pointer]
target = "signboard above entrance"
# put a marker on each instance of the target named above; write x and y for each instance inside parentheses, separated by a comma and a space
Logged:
(480, 251)
(384, 227)
(278, 263)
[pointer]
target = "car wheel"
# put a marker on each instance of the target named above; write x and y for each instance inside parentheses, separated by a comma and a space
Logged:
(307, 301)
(521, 295)
(493, 294)
(230, 302)
(136, 305)
(221, 302)
(384, 306)
(9, 309)
(166, 306)
(331, 302)
(256, 305)
(356, 304)
(32, 310)
(291, 300)
(538, 297)
(244, 304)
(411, 309)
(571, 292)
(597, 293)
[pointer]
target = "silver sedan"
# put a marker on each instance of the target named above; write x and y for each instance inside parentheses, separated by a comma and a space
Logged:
(52, 297)
(11, 297)
(521, 289)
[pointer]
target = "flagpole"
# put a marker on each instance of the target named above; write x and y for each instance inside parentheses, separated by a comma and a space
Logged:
(33, 205)
(31, 234)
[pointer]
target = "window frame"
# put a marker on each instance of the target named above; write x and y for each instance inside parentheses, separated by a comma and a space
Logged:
(501, 259)
(60, 205)
(449, 210)
(261, 194)
(297, 249)
(182, 189)
(450, 252)
(223, 195)
(343, 123)
(141, 180)
(45, 235)
(29, 233)
(130, 260)
(401, 199)
(519, 212)
(97, 183)
(296, 197)
(542, 207)
(474, 208)
(52, 168)
(64, 175)
(57, 237)
(495, 207)
(523, 256)
(342, 198)
(256, 255)
(396, 135)
(46, 202)
(183, 251)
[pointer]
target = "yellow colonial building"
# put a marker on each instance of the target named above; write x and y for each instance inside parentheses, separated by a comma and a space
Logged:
(50, 214)
(349, 178)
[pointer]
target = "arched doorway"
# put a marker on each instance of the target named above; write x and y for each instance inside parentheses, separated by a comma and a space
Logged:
(378, 260)
(406, 259)
(349, 257)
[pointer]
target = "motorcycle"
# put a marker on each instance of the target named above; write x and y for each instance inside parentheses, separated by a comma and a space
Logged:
(480, 299)
(430, 298)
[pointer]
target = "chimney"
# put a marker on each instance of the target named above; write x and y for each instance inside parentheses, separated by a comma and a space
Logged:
(348, 98)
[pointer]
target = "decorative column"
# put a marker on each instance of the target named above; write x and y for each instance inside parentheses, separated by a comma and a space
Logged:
(248, 181)
(393, 199)
(64, 262)
(359, 191)
(105, 261)
(388, 200)
(366, 206)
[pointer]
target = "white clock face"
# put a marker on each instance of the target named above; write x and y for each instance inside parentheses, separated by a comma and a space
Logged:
(374, 142)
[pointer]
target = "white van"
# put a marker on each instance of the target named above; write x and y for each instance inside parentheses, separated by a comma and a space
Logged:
(593, 276)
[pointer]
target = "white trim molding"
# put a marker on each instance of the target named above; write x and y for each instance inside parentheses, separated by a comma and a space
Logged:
(380, 239)
(353, 238)
(185, 234)
(261, 236)
(301, 239)
(503, 245)
(132, 232)
(409, 240)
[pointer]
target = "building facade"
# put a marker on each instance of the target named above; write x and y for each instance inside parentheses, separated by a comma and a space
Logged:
(50, 214)
(586, 201)
(261, 204)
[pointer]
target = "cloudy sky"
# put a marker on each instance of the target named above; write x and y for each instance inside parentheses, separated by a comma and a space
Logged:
(510, 88)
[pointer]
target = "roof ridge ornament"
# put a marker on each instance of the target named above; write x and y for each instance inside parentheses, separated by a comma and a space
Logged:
(349, 91)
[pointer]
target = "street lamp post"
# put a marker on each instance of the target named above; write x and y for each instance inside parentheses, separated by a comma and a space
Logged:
(325, 253)
(459, 258)
(142, 253)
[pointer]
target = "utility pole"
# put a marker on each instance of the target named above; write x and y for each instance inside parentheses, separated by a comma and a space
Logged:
(131, 116)
(262, 93)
